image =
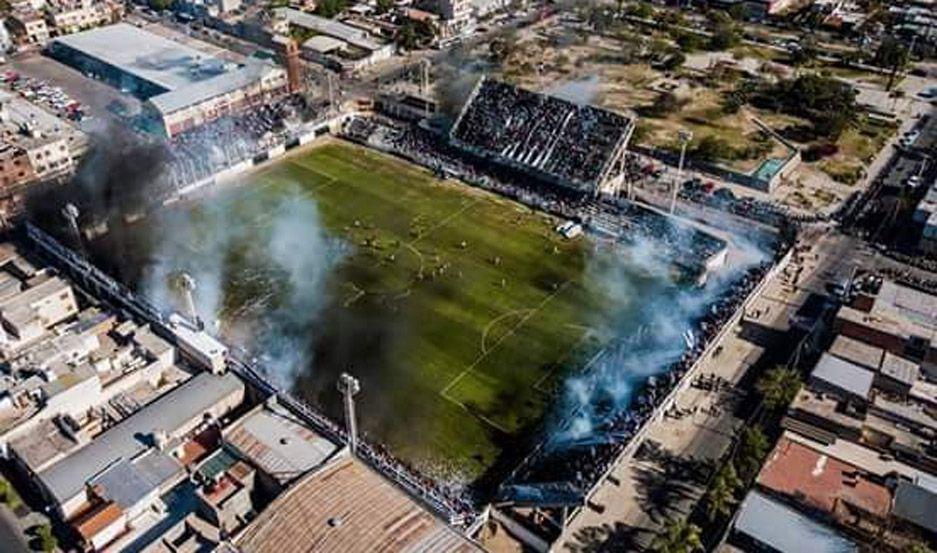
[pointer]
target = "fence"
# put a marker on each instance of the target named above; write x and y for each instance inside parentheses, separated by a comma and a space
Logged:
(671, 398)
(103, 286)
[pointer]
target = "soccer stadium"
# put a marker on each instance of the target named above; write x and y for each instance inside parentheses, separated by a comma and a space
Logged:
(580, 147)
(490, 346)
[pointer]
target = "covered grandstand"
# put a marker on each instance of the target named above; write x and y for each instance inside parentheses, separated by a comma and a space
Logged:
(182, 87)
(347, 506)
(578, 147)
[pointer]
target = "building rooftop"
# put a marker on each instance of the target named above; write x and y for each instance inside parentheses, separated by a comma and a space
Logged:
(785, 529)
(209, 88)
(821, 482)
(900, 369)
(843, 375)
(329, 27)
(347, 506)
(20, 309)
(153, 58)
(89, 524)
(917, 501)
(134, 435)
(278, 443)
(855, 351)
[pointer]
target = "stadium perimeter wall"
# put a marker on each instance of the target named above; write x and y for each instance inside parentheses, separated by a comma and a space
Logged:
(684, 383)
(315, 131)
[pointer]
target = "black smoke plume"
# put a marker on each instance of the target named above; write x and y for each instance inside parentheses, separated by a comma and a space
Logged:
(119, 178)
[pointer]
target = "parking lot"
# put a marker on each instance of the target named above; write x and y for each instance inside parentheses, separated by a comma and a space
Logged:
(98, 100)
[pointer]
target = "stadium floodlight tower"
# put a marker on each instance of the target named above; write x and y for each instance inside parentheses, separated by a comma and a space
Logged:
(187, 284)
(71, 213)
(685, 137)
(349, 386)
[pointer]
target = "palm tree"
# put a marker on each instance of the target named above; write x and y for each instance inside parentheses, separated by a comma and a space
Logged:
(753, 447)
(678, 536)
(721, 494)
(778, 387)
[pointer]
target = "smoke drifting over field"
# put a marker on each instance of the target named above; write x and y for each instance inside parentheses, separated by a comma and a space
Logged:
(607, 388)
(280, 265)
(119, 177)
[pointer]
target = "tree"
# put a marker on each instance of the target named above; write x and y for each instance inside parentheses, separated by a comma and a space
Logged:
(666, 102)
(678, 536)
(740, 12)
(829, 103)
(47, 541)
(673, 61)
(642, 10)
(724, 37)
(891, 54)
(384, 6)
(689, 42)
(413, 35)
(805, 52)
(753, 447)
(160, 5)
(721, 494)
(917, 547)
(330, 8)
(778, 387)
(712, 148)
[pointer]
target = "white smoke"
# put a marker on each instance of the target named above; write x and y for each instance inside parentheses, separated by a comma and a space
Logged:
(667, 312)
(281, 263)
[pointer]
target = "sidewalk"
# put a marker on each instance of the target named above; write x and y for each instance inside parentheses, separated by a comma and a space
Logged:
(641, 492)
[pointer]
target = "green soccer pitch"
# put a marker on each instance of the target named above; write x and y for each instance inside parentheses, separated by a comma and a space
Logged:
(460, 311)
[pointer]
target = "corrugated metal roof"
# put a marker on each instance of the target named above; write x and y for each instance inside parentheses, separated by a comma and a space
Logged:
(278, 444)
(146, 55)
(133, 436)
(844, 375)
(917, 502)
(181, 98)
(787, 530)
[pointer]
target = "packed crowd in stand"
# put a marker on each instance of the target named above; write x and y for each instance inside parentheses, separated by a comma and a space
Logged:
(205, 150)
(571, 143)
(586, 461)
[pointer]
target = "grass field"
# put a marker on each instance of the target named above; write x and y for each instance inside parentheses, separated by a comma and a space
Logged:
(458, 310)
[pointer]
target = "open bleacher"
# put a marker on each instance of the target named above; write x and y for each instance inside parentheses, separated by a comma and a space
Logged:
(571, 145)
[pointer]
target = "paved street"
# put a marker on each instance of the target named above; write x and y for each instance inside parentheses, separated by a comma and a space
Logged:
(644, 490)
(11, 539)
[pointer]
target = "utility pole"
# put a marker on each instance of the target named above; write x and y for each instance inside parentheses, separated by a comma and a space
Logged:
(71, 213)
(328, 77)
(685, 137)
(187, 284)
(349, 386)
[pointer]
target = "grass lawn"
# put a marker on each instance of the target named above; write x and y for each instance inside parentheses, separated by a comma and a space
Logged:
(458, 310)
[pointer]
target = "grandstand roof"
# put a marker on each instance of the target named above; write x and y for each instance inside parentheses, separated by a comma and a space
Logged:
(570, 144)
(151, 57)
(347, 506)
(200, 91)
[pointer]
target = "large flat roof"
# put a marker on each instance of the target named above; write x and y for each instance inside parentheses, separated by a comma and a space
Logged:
(278, 443)
(785, 529)
(347, 506)
(132, 436)
(209, 88)
(143, 54)
(842, 374)
(329, 27)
